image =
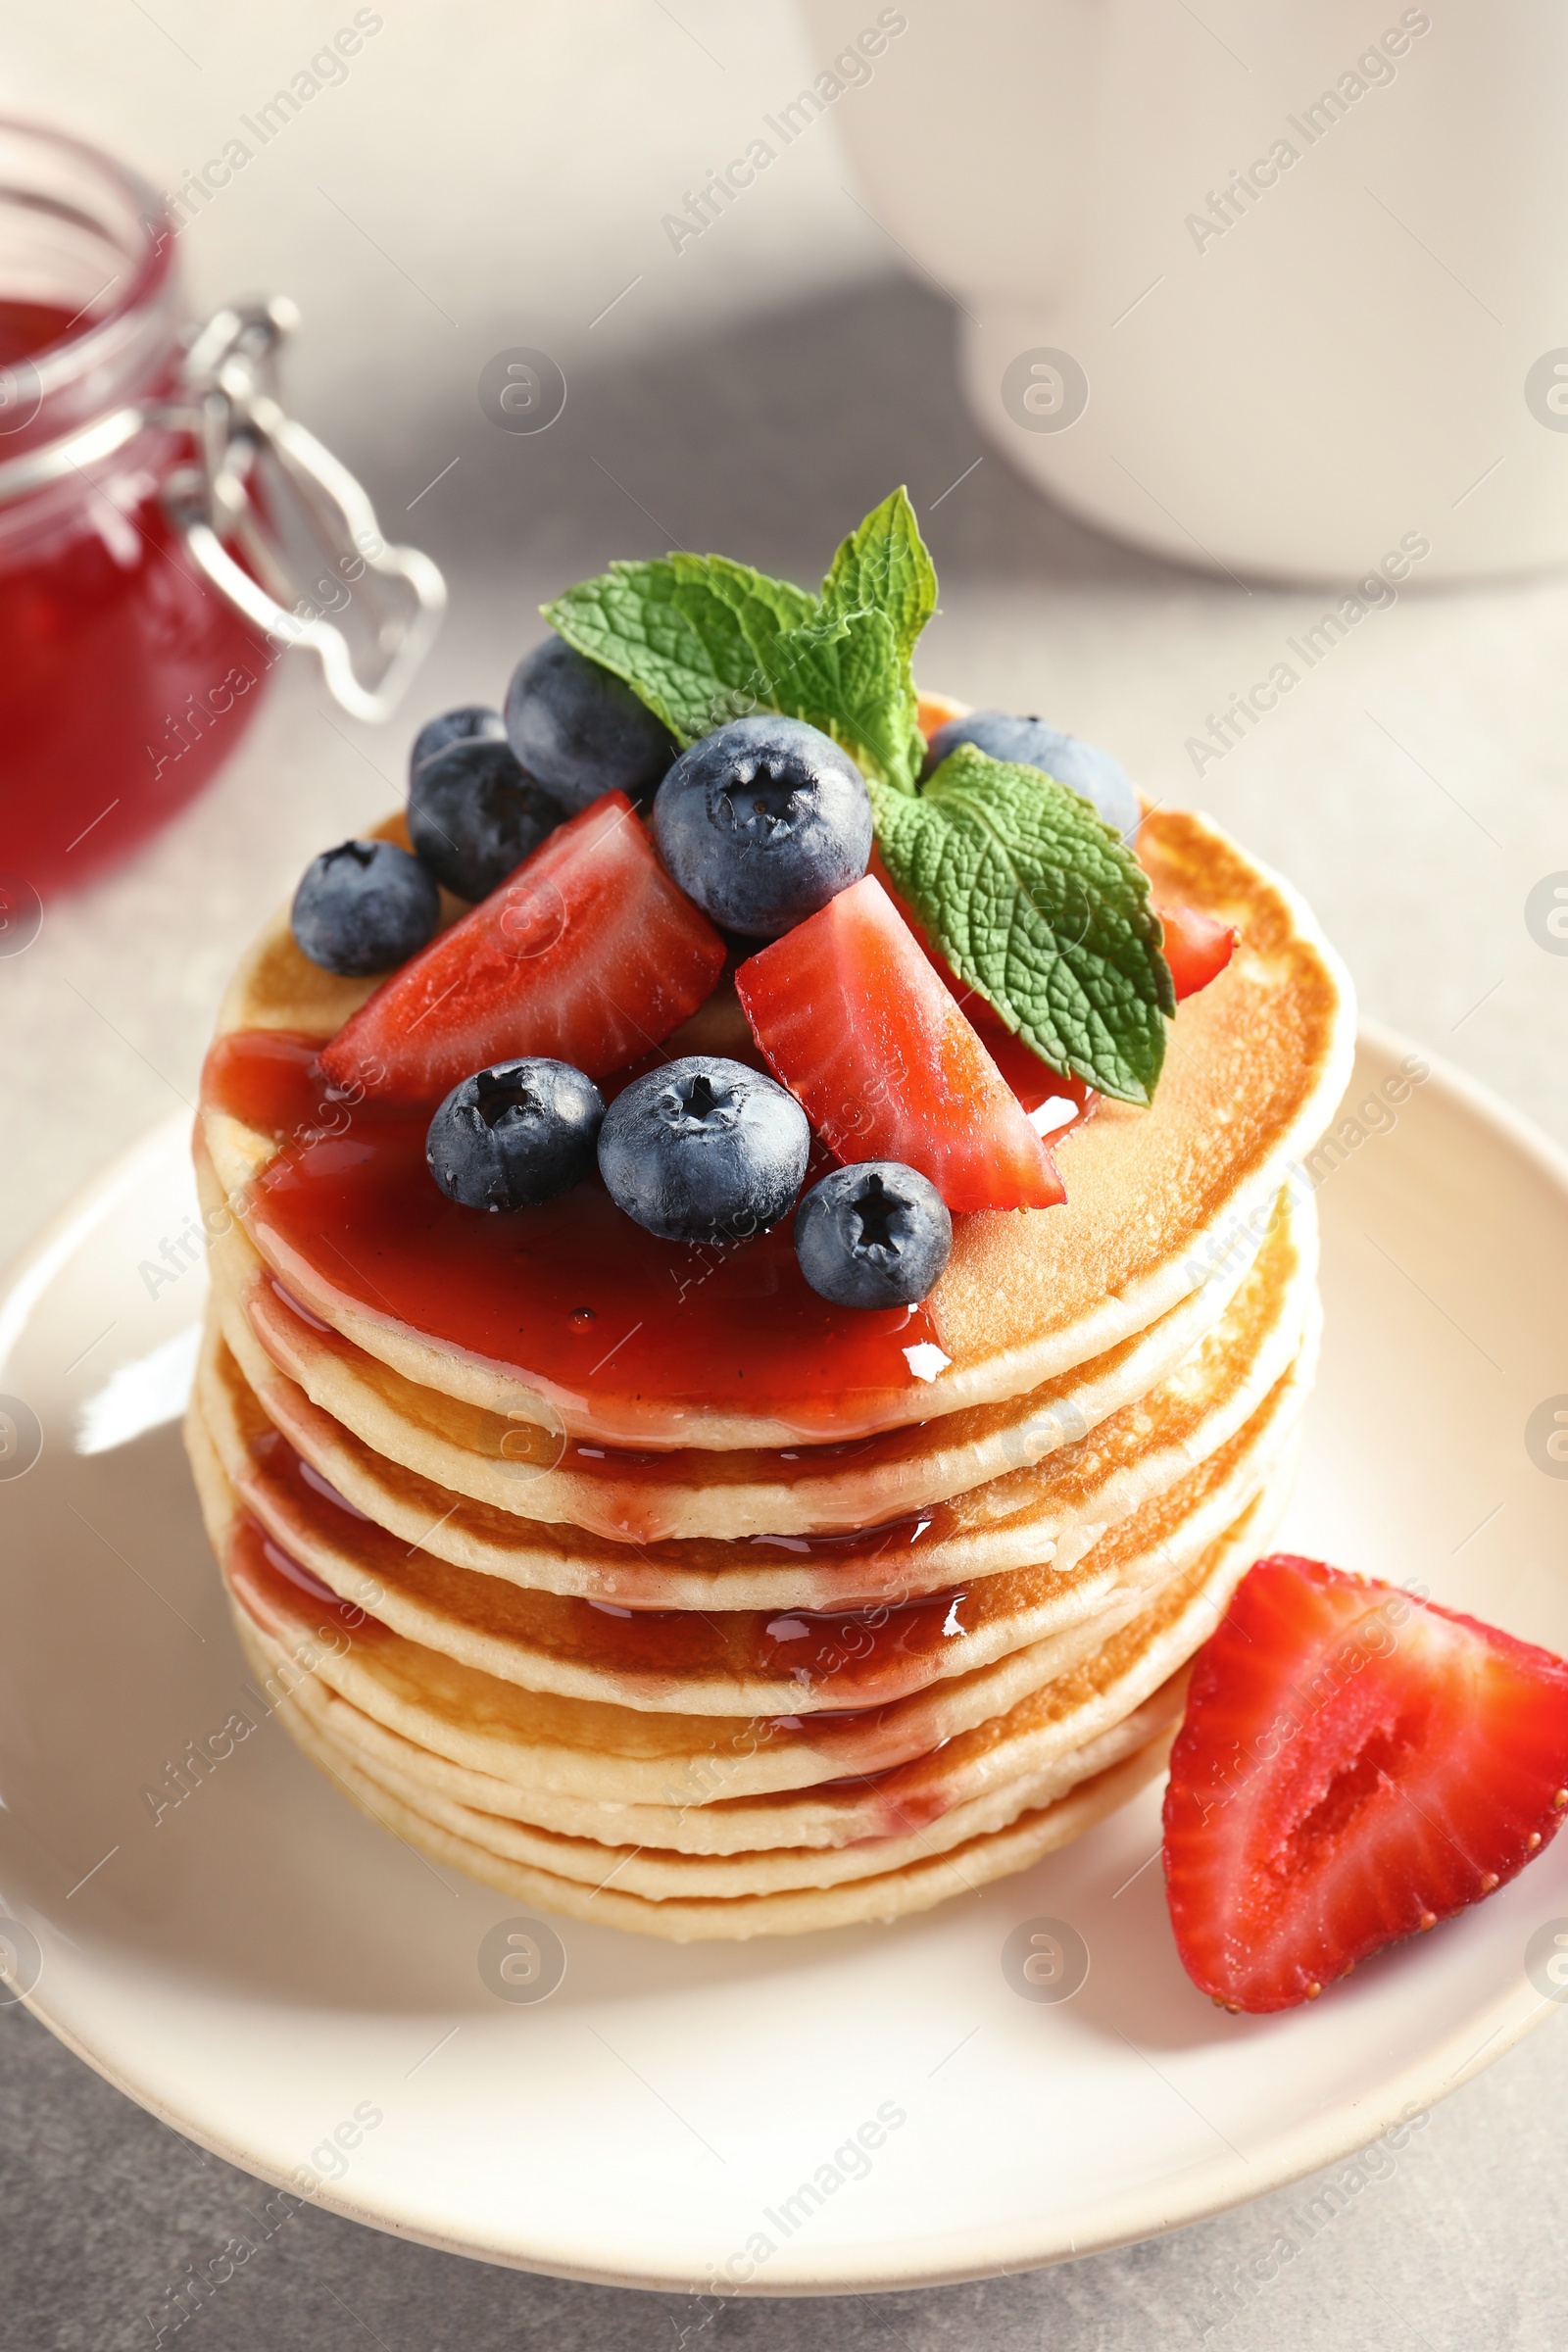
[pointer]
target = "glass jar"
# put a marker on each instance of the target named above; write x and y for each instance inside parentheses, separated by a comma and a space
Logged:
(154, 504)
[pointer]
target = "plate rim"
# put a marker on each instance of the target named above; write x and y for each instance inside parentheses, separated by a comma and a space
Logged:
(1152, 2209)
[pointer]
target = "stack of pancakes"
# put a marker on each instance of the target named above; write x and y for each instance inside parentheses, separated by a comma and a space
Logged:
(738, 1678)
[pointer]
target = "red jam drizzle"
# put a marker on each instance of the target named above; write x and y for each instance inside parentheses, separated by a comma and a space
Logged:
(295, 1570)
(863, 1653)
(858, 1658)
(866, 1542)
(625, 1331)
(270, 1585)
(253, 1563)
(622, 1494)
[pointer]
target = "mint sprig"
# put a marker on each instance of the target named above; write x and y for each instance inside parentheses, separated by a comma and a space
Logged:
(703, 640)
(1039, 905)
(1032, 900)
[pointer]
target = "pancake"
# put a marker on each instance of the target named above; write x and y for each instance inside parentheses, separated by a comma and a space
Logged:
(730, 1662)
(1160, 1200)
(803, 1911)
(895, 1869)
(712, 1651)
(1007, 1518)
(659, 1874)
(643, 1499)
(604, 1746)
(1141, 1666)
(1028, 1747)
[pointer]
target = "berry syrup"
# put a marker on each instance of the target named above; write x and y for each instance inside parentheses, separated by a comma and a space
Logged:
(837, 1658)
(618, 1329)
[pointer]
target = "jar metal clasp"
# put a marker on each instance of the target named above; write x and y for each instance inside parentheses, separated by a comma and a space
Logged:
(268, 488)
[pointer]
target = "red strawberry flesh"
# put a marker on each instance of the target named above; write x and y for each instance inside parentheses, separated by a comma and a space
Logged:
(855, 1021)
(1197, 947)
(1031, 1079)
(588, 953)
(1355, 1766)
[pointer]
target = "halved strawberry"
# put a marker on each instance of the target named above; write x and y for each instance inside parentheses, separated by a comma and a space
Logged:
(588, 953)
(1197, 947)
(855, 1021)
(1032, 1080)
(1355, 1766)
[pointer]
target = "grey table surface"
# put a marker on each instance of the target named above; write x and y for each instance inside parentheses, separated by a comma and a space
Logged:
(1413, 786)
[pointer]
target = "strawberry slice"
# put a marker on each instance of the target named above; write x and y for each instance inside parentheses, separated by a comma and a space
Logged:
(1197, 947)
(1032, 1080)
(1355, 1766)
(855, 1021)
(588, 952)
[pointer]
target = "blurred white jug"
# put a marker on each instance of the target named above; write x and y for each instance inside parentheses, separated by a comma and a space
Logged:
(1272, 285)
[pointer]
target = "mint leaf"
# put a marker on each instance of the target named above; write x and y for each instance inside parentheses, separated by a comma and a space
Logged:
(676, 630)
(885, 567)
(702, 639)
(1038, 904)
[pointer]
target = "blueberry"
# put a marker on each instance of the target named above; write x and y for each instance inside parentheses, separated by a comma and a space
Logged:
(874, 1235)
(471, 718)
(363, 907)
(1029, 743)
(762, 823)
(580, 730)
(474, 815)
(516, 1134)
(703, 1149)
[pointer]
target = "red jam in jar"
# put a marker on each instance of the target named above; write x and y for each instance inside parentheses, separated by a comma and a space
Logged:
(125, 677)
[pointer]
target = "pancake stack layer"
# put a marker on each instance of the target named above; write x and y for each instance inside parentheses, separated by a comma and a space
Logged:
(702, 1660)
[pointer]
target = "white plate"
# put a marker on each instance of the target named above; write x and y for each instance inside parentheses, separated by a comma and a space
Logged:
(262, 1963)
